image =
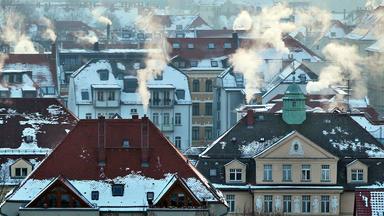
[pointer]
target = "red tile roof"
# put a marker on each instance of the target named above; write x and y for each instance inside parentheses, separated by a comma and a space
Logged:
(81, 153)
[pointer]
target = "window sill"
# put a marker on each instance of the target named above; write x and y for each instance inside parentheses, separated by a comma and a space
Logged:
(287, 180)
(305, 180)
(264, 180)
(325, 180)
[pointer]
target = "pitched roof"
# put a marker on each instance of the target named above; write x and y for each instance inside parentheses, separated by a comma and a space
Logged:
(44, 119)
(337, 133)
(99, 156)
(43, 67)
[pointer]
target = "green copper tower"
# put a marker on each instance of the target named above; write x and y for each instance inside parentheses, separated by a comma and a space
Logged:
(294, 105)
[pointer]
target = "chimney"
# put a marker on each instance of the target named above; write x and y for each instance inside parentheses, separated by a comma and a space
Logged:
(53, 50)
(250, 118)
(101, 144)
(108, 33)
(144, 142)
(235, 37)
(96, 46)
(135, 116)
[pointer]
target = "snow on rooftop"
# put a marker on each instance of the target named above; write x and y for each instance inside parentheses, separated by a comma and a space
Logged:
(41, 74)
(135, 188)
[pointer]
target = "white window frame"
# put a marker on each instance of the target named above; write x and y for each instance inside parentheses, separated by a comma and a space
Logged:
(268, 204)
(287, 172)
(287, 203)
(325, 173)
(230, 198)
(357, 173)
(324, 204)
(177, 118)
(178, 142)
(235, 173)
(306, 172)
(306, 204)
(267, 172)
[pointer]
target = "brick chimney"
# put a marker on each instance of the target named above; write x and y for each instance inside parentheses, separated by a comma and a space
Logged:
(101, 159)
(250, 118)
(144, 142)
(236, 41)
(96, 46)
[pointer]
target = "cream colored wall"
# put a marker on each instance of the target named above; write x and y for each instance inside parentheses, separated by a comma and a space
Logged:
(315, 205)
(308, 154)
(357, 165)
(20, 164)
(243, 202)
(347, 201)
(277, 170)
(235, 165)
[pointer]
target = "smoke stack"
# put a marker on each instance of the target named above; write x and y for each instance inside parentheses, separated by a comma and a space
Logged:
(108, 33)
(144, 142)
(250, 118)
(101, 142)
(235, 37)
(96, 46)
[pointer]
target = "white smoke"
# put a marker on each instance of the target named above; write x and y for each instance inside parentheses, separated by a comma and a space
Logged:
(371, 4)
(89, 37)
(49, 32)
(345, 65)
(12, 33)
(98, 14)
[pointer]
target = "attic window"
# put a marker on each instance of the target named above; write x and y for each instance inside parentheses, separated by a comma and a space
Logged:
(180, 94)
(193, 63)
(214, 64)
(28, 139)
(212, 172)
(95, 195)
(296, 147)
(125, 143)
(117, 190)
(103, 74)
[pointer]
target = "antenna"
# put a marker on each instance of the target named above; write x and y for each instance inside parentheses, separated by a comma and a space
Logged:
(348, 95)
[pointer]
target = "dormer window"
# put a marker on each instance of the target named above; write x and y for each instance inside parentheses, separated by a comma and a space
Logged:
(103, 74)
(193, 63)
(125, 143)
(235, 174)
(214, 64)
(95, 195)
(357, 175)
(21, 172)
(117, 190)
(176, 45)
(28, 139)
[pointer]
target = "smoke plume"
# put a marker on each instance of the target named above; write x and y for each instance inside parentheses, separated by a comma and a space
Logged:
(49, 32)
(156, 59)
(98, 14)
(12, 33)
(86, 38)
(345, 65)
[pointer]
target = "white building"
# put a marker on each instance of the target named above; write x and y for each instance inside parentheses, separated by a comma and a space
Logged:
(105, 87)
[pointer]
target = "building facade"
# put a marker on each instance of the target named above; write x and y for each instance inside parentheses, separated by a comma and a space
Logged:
(108, 88)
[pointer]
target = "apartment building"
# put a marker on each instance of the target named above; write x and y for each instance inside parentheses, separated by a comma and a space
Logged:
(109, 88)
(296, 163)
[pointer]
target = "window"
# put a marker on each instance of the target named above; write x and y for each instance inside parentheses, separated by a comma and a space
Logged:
(177, 118)
(21, 172)
(111, 115)
(214, 64)
(130, 85)
(227, 45)
(103, 74)
(195, 133)
(325, 173)
(287, 172)
(117, 190)
(324, 205)
(306, 204)
(84, 94)
(133, 111)
(190, 46)
(167, 99)
(212, 172)
(176, 45)
(208, 133)
(231, 202)
(166, 119)
(267, 203)
(178, 142)
(195, 109)
(303, 78)
(287, 204)
(235, 174)
(95, 195)
(208, 109)
(155, 98)
(357, 175)
(100, 96)
(195, 85)
(111, 95)
(159, 76)
(88, 116)
(267, 172)
(208, 85)
(125, 143)
(193, 63)
(211, 46)
(333, 34)
(306, 172)
(155, 118)
(180, 94)
(180, 35)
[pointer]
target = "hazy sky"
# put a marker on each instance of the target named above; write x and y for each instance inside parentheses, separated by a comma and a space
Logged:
(337, 5)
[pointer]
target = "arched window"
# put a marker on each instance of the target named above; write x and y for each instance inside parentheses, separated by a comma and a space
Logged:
(196, 86)
(208, 85)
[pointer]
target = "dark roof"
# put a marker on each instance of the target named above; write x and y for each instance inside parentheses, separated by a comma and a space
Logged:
(47, 116)
(337, 133)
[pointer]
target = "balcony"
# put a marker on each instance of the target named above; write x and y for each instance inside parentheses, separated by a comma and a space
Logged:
(106, 103)
(165, 127)
(161, 103)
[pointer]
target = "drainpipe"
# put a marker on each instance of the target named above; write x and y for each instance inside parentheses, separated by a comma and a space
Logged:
(253, 199)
